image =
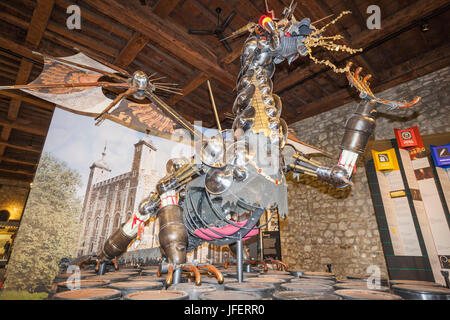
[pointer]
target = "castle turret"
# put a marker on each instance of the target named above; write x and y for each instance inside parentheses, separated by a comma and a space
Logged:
(144, 176)
(144, 156)
(99, 171)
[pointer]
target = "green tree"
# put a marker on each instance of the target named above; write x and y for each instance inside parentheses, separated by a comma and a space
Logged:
(49, 228)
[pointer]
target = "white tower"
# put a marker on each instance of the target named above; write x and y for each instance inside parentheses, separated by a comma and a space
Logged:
(99, 171)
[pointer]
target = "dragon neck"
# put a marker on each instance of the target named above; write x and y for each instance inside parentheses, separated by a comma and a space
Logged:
(257, 109)
(261, 119)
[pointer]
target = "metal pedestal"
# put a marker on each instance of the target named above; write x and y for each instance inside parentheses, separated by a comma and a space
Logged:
(239, 262)
(177, 275)
(102, 269)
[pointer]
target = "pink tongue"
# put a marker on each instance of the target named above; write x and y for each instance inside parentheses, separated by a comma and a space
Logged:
(208, 234)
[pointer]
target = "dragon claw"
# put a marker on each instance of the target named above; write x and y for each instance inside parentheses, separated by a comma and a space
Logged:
(279, 264)
(169, 277)
(210, 268)
(366, 78)
(259, 262)
(366, 93)
(195, 272)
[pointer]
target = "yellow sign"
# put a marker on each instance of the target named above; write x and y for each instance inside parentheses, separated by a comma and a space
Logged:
(398, 194)
(385, 160)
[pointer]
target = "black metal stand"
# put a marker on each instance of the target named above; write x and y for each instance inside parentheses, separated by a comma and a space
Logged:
(239, 262)
(177, 275)
(102, 269)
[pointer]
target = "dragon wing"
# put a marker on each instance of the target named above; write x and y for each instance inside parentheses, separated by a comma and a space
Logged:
(82, 100)
(147, 118)
(73, 83)
(304, 147)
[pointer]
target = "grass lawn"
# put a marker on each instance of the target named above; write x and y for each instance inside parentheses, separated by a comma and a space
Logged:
(22, 295)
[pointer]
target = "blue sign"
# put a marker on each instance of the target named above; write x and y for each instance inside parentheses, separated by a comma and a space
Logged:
(441, 155)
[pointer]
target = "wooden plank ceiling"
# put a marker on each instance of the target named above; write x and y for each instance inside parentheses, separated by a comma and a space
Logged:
(152, 35)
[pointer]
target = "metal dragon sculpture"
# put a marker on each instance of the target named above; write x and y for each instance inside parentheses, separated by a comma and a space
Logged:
(218, 195)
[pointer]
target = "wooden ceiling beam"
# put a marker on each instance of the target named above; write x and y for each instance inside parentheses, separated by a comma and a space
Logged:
(78, 38)
(20, 172)
(351, 5)
(176, 64)
(166, 71)
(212, 17)
(167, 34)
(236, 53)
(7, 75)
(416, 67)
(198, 80)
(191, 86)
(26, 163)
(71, 46)
(319, 87)
(23, 179)
(131, 50)
(303, 92)
(292, 95)
(202, 94)
(188, 114)
(36, 29)
(164, 8)
(99, 20)
(4, 135)
(25, 98)
(13, 110)
(21, 49)
(222, 93)
(195, 110)
(19, 147)
(6, 69)
(412, 69)
(24, 126)
(39, 21)
(9, 60)
(62, 35)
(401, 19)
(205, 104)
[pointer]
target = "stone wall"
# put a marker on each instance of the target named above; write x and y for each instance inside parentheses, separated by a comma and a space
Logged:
(326, 225)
